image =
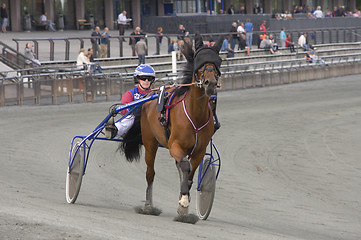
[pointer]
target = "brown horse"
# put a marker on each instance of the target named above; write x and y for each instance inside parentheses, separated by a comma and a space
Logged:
(190, 122)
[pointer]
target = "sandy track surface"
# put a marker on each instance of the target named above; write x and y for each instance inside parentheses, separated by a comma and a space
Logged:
(291, 169)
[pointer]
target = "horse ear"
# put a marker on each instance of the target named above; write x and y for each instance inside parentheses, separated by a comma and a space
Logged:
(217, 47)
(187, 51)
(198, 41)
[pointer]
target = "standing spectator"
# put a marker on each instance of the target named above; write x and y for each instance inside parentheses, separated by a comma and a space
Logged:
(290, 44)
(260, 8)
(96, 41)
(4, 17)
(241, 10)
(335, 11)
(318, 13)
(242, 44)
(159, 37)
(249, 31)
(182, 32)
(135, 37)
(82, 61)
(30, 55)
(140, 50)
(283, 37)
(263, 30)
(94, 66)
(328, 13)
(234, 35)
(122, 21)
(104, 43)
(44, 20)
(230, 10)
(255, 9)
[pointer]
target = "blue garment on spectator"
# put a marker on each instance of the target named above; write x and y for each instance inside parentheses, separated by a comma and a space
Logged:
(283, 35)
(104, 40)
(224, 45)
(248, 27)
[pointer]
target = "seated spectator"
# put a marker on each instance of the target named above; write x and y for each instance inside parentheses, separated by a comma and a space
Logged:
(272, 42)
(30, 55)
(225, 47)
(171, 47)
(44, 20)
(356, 13)
(94, 66)
(82, 61)
(266, 45)
(290, 44)
(177, 48)
(302, 42)
(312, 57)
(210, 42)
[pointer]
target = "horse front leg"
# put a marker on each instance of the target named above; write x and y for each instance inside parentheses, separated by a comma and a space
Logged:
(184, 168)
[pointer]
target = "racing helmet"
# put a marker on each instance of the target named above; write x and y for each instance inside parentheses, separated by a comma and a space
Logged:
(144, 70)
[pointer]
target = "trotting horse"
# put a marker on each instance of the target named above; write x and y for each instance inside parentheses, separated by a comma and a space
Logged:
(190, 123)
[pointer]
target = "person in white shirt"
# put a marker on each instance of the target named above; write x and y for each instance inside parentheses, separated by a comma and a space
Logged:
(302, 42)
(82, 62)
(122, 21)
(44, 20)
(318, 13)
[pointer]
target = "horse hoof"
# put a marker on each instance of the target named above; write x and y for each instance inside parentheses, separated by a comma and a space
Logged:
(148, 210)
(188, 218)
(182, 210)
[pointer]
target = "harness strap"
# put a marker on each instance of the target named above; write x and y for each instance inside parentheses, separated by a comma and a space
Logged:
(196, 130)
(178, 101)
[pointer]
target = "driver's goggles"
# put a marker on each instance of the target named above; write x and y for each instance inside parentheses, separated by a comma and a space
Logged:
(146, 78)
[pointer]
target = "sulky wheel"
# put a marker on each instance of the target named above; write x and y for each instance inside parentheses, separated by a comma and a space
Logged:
(75, 173)
(207, 190)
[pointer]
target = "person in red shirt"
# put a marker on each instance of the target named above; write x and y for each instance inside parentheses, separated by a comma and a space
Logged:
(290, 44)
(144, 76)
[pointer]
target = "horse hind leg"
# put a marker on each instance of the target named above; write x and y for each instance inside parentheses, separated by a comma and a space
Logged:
(184, 168)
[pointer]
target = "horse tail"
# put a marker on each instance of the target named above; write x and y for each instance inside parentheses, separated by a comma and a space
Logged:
(132, 140)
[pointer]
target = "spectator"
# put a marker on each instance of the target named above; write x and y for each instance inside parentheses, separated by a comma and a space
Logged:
(262, 28)
(290, 44)
(30, 55)
(335, 11)
(318, 13)
(273, 43)
(283, 37)
(356, 13)
(302, 42)
(234, 35)
(135, 37)
(159, 36)
(122, 21)
(242, 44)
(255, 9)
(171, 47)
(260, 8)
(210, 42)
(230, 10)
(177, 48)
(312, 57)
(342, 11)
(82, 61)
(328, 13)
(104, 43)
(96, 41)
(266, 45)
(241, 10)
(44, 20)
(240, 30)
(182, 32)
(249, 31)
(94, 66)
(141, 49)
(4, 17)
(225, 47)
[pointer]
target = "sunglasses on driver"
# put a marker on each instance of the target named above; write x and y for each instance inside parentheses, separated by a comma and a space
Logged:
(146, 78)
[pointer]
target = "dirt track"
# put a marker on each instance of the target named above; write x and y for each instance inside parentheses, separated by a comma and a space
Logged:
(291, 169)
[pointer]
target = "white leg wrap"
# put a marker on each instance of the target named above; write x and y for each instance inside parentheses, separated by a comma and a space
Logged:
(184, 202)
(124, 125)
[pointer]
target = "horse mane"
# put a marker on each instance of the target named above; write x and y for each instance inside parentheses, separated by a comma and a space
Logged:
(132, 141)
(188, 70)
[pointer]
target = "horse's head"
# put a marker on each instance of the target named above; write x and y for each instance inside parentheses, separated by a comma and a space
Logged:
(206, 65)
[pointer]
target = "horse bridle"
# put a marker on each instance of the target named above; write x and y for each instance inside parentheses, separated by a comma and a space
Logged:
(209, 67)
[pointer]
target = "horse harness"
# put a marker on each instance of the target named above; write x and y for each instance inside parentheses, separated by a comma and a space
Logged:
(164, 116)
